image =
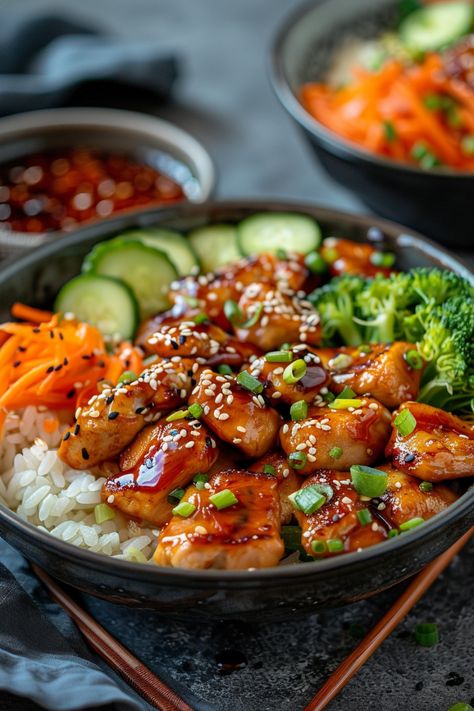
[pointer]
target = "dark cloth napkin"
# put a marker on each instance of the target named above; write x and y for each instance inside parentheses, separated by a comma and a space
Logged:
(45, 60)
(40, 664)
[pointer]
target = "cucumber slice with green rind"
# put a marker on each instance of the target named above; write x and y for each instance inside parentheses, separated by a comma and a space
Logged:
(102, 301)
(271, 231)
(146, 270)
(215, 245)
(175, 245)
(436, 26)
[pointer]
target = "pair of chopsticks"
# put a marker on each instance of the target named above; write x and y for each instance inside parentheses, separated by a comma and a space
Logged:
(155, 691)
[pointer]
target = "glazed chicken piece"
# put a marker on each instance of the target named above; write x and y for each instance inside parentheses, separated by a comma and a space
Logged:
(288, 480)
(236, 415)
(348, 257)
(275, 317)
(210, 292)
(275, 387)
(163, 457)
(404, 500)
(111, 420)
(338, 438)
(440, 446)
(243, 535)
(383, 372)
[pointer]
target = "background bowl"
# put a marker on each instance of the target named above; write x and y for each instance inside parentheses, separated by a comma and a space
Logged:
(258, 594)
(435, 202)
(147, 139)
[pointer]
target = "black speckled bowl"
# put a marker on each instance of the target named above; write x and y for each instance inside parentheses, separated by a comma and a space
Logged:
(258, 594)
(435, 202)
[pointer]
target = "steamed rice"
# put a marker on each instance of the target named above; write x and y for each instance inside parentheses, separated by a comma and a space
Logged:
(43, 490)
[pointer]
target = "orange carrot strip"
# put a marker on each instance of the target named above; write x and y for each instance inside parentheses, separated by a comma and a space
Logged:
(29, 313)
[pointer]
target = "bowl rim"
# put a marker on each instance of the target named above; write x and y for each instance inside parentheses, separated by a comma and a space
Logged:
(177, 141)
(269, 577)
(331, 141)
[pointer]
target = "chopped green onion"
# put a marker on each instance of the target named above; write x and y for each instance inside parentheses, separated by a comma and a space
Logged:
(199, 480)
(434, 102)
(426, 486)
(297, 460)
(223, 499)
(195, 410)
(291, 536)
(467, 145)
(405, 422)
(248, 382)
(175, 496)
(299, 410)
(269, 469)
(329, 396)
(343, 403)
(364, 517)
(324, 489)
(128, 376)
(382, 259)
(364, 349)
(279, 356)
(335, 452)
(200, 318)
(414, 359)
(461, 706)
(368, 481)
(341, 361)
(184, 509)
(419, 150)
(224, 369)
(346, 394)
(318, 546)
(253, 318)
(102, 513)
(335, 545)
(315, 263)
(134, 555)
(285, 347)
(307, 500)
(393, 533)
(411, 523)
(232, 311)
(390, 132)
(191, 301)
(426, 634)
(281, 253)
(178, 415)
(295, 371)
(330, 254)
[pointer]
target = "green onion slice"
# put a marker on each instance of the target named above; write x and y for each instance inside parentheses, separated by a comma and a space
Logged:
(426, 486)
(175, 496)
(308, 499)
(178, 415)
(224, 369)
(414, 359)
(223, 499)
(346, 394)
(295, 371)
(250, 383)
(315, 263)
(393, 533)
(299, 410)
(335, 545)
(368, 481)
(200, 318)
(382, 259)
(269, 469)
(364, 516)
(232, 311)
(199, 480)
(103, 513)
(411, 523)
(279, 356)
(318, 546)
(405, 422)
(427, 634)
(335, 452)
(195, 410)
(343, 404)
(297, 460)
(254, 318)
(184, 509)
(128, 376)
(341, 361)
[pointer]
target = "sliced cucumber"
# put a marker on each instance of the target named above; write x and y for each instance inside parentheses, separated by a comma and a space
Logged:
(172, 243)
(436, 26)
(146, 270)
(271, 231)
(215, 245)
(102, 301)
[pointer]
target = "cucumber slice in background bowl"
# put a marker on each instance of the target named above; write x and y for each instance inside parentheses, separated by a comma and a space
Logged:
(215, 245)
(146, 270)
(172, 243)
(102, 301)
(436, 26)
(272, 231)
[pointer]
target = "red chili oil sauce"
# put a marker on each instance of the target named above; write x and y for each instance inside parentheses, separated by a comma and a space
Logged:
(57, 190)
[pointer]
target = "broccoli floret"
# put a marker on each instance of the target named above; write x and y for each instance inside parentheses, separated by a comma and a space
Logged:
(382, 307)
(335, 303)
(447, 344)
(437, 285)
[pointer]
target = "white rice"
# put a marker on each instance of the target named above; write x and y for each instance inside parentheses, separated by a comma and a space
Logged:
(43, 490)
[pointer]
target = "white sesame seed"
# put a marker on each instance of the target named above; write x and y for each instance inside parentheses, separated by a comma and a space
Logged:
(224, 416)
(346, 500)
(189, 445)
(239, 428)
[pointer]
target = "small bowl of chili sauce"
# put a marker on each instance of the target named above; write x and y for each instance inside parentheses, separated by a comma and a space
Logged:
(63, 168)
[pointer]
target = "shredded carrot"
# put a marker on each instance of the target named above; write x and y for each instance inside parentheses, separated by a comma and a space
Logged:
(388, 112)
(56, 363)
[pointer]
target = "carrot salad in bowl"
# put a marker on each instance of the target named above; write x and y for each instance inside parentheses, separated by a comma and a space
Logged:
(219, 400)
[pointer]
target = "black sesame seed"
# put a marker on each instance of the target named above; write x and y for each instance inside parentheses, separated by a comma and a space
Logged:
(16, 363)
(181, 340)
(127, 363)
(139, 410)
(189, 373)
(65, 361)
(66, 436)
(109, 400)
(336, 518)
(409, 458)
(36, 330)
(22, 349)
(51, 334)
(85, 453)
(101, 364)
(50, 369)
(86, 357)
(71, 393)
(112, 415)
(76, 429)
(173, 433)
(174, 345)
(208, 442)
(58, 367)
(61, 337)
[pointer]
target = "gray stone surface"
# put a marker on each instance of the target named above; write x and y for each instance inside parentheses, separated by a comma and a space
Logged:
(224, 98)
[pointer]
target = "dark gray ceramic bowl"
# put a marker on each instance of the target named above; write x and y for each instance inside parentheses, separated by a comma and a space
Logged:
(258, 594)
(435, 202)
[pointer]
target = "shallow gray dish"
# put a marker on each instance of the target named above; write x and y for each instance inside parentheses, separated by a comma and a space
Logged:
(145, 138)
(259, 594)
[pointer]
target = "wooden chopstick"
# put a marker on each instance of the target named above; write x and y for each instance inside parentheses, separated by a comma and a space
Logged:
(135, 673)
(416, 589)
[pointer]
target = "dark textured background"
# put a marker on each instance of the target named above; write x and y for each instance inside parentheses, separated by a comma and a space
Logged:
(224, 99)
